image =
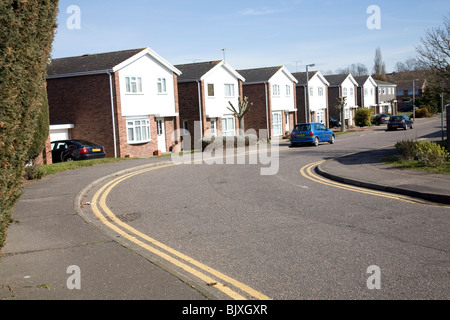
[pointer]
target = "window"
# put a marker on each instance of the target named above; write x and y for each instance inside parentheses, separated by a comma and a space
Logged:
(228, 127)
(133, 84)
(229, 90)
(366, 91)
(138, 130)
(320, 91)
(344, 92)
(311, 91)
(210, 90)
(277, 124)
(351, 92)
(276, 90)
(162, 88)
(288, 90)
(371, 91)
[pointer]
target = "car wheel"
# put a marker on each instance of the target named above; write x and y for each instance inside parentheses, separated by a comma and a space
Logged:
(316, 141)
(332, 139)
(68, 159)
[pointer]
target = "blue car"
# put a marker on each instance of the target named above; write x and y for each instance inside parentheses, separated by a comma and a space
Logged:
(313, 133)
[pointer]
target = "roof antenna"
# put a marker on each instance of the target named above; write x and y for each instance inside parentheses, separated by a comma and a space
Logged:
(223, 50)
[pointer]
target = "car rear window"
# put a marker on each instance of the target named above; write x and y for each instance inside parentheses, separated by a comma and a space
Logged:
(396, 118)
(303, 127)
(86, 143)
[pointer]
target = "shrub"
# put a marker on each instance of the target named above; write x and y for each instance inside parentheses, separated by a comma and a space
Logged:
(363, 117)
(407, 149)
(431, 154)
(33, 172)
(423, 113)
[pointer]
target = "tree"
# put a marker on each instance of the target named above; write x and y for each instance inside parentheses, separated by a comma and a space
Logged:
(341, 104)
(434, 54)
(379, 67)
(243, 107)
(26, 37)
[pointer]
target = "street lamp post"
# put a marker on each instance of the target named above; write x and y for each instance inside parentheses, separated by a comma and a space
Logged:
(307, 111)
(414, 99)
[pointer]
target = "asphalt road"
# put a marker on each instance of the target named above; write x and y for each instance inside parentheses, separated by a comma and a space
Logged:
(282, 235)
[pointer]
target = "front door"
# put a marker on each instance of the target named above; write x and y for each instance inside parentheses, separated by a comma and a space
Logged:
(213, 127)
(161, 134)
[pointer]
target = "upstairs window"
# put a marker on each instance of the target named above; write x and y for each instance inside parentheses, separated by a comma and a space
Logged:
(162, 87)
(320, 91)
(229, 90)
(133, 84)
(276, 90)
(288, 90)
(210, 90)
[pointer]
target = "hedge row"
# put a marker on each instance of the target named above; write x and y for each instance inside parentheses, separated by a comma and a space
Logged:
(26, 36)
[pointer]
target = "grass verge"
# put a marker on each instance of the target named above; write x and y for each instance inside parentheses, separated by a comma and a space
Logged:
(398, 162)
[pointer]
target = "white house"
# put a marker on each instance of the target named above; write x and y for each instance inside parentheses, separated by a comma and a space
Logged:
(205, 90)
(367, 91)
(318, 97)
(272, 92)
(342, 85)
(124, 100)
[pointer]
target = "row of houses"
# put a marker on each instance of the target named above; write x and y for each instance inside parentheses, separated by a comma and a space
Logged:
(132, 101)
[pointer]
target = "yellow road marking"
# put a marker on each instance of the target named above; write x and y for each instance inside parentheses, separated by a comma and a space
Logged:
(306, 172)
(106, 189)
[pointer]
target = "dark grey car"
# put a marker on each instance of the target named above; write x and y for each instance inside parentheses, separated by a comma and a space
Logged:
(396, 122)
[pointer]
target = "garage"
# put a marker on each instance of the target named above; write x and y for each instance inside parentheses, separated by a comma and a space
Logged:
(60, 131)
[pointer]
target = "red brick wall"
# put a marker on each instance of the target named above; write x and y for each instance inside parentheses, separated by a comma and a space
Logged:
(256, 118)
(188, 104)
(84, 101)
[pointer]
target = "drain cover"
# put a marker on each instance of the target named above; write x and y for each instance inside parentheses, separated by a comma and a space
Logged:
(129, 217)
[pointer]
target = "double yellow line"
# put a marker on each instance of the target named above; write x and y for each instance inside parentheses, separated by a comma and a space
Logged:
(209, 276)
(307, 172)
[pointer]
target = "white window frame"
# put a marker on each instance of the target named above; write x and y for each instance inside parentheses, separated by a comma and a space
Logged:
(288, 90)
(277, 127)
(351, 91)
(162, 85)
(133, 85)
(228, 127)
(345, 92)
(229, 90)
(276, 90)
(138, 130)
(311, 91)
(320, 91)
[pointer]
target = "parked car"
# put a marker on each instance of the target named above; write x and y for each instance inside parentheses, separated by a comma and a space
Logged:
(311, 133)
(75, 150)
(407, 109)
(382, 118)
(335, 123)
(401, 121)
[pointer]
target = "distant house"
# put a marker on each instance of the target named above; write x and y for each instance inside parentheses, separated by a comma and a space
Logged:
(124, 100)
(367, 91)
(407, 91)
(205, 90)
(318, 97)
(386, 97)
(342, 85)
(272, 92)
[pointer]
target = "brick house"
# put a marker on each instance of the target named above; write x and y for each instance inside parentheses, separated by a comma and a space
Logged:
(387, 93)
(367, 91)
(342, 85)
(273, 94)
(318, 97)
(205, 90)
(124, 100)
(407, 91)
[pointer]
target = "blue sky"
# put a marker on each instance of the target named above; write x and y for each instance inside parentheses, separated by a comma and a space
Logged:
(256, 33)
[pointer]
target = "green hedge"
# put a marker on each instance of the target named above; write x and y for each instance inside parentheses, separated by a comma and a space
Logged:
(26, 36)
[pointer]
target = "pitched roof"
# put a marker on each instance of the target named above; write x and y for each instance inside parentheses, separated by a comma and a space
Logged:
(89, 62)
(384, 83)
(98, 63)
(259, 74)
(195, 71)
(336, 79)
(301, 76)
(363, 79)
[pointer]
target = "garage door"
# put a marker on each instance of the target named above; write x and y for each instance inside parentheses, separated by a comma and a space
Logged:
(60, 132)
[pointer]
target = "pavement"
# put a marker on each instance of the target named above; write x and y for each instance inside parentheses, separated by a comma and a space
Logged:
(49, 236)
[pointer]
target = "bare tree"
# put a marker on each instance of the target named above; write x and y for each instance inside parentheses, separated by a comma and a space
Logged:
(243, 107)
(340, 105)
(379, 67)
(434, 54)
